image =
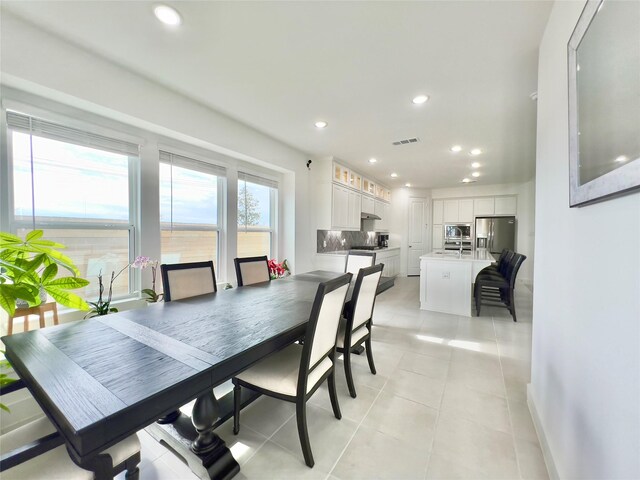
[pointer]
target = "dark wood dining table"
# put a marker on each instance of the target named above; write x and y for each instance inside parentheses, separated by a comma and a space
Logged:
(103, 379)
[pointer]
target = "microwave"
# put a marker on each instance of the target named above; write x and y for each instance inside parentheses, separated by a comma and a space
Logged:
(452, 231)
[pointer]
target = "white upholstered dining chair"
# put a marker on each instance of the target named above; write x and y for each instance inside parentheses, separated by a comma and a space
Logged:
(35, 451)
(184, 280)
(355, 327)
(250, 270)
(294, 373)
(358, 259)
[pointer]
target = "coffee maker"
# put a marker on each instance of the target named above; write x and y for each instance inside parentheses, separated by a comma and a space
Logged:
(383, 240)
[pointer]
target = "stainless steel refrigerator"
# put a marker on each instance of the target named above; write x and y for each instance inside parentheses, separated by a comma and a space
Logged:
(495, 233)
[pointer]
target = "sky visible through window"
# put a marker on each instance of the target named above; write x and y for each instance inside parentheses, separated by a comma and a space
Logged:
(257, 204)
(195, 196)
(70, 181)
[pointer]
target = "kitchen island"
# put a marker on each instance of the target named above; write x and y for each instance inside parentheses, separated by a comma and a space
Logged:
(446, 278)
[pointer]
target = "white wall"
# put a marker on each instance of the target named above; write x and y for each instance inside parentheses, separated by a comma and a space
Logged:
(585, 376)
(525, 213)
(39, 63)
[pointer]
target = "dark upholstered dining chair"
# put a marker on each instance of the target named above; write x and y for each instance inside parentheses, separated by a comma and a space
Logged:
(498, 289)
(294, 373)
(357, 259)
(355, 327)
(184, 280)
(250, 270)
(35, 450)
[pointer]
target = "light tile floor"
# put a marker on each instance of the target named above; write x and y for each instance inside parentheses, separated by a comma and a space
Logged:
(448, 402)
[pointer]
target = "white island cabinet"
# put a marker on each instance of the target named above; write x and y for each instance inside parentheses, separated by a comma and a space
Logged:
(446, 279)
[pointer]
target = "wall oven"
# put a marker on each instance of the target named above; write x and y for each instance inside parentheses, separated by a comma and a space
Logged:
(457, 233)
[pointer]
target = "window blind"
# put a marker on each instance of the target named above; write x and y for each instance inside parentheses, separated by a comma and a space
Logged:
(190, 163)
(247, 177)
(43, 128)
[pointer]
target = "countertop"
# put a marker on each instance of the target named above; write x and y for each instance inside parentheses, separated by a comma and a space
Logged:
(479, 255)
(344, 252)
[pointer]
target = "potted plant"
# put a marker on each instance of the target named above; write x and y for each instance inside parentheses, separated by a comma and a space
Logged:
(31, 266)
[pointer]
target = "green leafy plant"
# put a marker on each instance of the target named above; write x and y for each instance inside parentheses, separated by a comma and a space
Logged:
(32, 264)
(4, 378)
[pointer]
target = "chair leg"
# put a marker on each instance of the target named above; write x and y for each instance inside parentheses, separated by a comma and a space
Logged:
(236, 408)
(333, 395)
(303, 433)
(367, 344)
(131, 464)
(512, 304)
(347, 372)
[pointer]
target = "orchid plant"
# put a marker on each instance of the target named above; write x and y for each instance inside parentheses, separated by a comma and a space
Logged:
(143, 262)
(103, 307)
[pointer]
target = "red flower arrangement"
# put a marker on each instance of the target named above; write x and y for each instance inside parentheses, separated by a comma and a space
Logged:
(278, 270)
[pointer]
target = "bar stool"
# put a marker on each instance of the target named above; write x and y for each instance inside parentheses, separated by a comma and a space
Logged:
(38, 310)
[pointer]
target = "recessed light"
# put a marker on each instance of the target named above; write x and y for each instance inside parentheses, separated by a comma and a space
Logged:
(420, 99)
(407, 185)
(465, 180)
(475, 174)
(475, 151)
(622, 158)
(321, 124)
(372, 160)
(475, 165)
(167, 15)
(456, 148)
(394, 175)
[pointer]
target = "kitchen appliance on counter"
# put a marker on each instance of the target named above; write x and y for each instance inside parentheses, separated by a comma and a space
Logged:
(455, 234)
(496, 233)
(383, 240)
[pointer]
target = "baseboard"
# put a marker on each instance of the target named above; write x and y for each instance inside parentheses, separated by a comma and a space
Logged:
(544, 444)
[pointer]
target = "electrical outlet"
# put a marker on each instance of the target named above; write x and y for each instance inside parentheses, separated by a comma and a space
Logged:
(446, 275)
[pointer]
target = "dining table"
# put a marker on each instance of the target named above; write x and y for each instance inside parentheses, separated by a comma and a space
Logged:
(100, 380)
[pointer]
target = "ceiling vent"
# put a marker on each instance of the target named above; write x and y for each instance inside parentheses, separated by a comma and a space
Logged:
(407, 141)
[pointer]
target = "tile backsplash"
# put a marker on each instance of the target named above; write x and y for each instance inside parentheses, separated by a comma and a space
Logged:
(334, 240)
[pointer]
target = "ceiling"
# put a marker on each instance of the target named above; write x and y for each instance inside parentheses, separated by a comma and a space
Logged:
(281, 66)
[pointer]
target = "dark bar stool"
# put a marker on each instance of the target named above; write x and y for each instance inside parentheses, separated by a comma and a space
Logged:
(496, 288)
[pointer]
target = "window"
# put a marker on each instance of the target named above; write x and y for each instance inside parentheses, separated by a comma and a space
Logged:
(257, 200)
(77, 187)
(190, 209)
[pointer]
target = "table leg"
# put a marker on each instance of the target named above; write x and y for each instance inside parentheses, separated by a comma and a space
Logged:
(209, 447)
(41, 317)
(204, 415)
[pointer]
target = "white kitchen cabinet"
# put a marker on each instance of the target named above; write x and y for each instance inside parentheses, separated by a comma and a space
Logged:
(340, 207)
(354, 208)
(505, 205)
(436, 236)
(368, 204)
(450, 208)
(465, 210)
(438, 212)
(483, 206)
(341, 174)
(383, 210)
(391, 260)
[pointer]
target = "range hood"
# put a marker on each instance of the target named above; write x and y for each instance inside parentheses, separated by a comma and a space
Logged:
(369, 216)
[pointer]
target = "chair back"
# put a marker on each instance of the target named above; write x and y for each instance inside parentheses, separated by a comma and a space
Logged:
(357, 260)
(250, 270)
(506, 261)
(514, 266)
(364, 296)
(322, 330)
(184, 280)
